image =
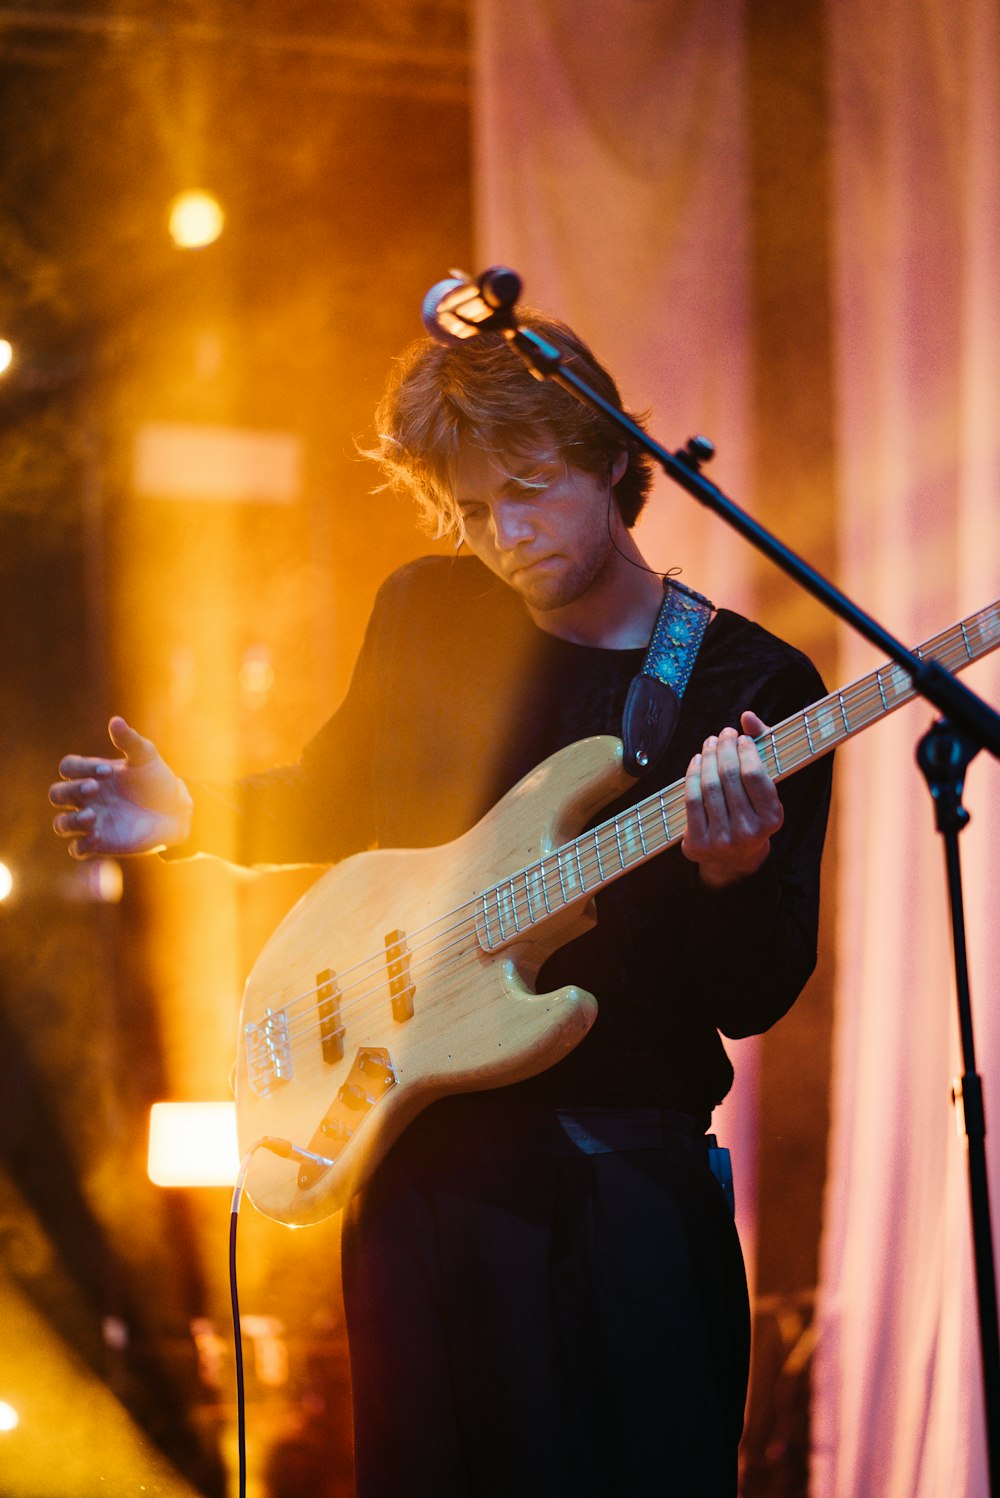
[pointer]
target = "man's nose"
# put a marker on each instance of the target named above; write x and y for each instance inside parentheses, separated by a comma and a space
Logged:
(512, 525)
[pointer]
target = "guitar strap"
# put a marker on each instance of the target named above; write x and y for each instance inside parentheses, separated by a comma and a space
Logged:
(652, 706)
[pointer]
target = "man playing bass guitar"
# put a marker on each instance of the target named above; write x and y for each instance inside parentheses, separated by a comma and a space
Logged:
(543, 1283)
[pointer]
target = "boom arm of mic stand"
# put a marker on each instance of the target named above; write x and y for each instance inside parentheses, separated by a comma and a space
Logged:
(968, 712)
(967, 715)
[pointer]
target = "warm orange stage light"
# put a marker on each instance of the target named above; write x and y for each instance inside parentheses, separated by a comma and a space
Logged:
(195, 219)
(193, 1144)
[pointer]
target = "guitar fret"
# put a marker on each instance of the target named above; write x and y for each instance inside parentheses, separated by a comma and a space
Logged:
(522, 904)
(856, 709)
(579, 865)
(597, 850)
(528, 873)
(545, 887)
(642, 835)
(483, 933)
(503, 899)
(618, 844)
(881, 688)
(809, 737)
(663, 819)
(774, 750)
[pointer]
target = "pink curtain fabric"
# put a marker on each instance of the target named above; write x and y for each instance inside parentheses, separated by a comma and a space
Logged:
(915, 88)
(611, 165)
(609, 160)
(610, 173)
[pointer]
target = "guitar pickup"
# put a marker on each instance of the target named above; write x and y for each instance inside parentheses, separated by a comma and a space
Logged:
(331, 1030)
(401, 986)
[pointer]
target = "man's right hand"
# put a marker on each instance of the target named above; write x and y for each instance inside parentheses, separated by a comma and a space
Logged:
(135, 804)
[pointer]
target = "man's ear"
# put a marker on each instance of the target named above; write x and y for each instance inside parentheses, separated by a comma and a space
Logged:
(618, 467)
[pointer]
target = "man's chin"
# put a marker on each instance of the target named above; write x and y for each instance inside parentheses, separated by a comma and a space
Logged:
(551, 584)
(549, 600)
(542, 591)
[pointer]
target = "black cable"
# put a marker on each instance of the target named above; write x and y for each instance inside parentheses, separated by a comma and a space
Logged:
(288, 1151)
(642, 566)
(241, 1413)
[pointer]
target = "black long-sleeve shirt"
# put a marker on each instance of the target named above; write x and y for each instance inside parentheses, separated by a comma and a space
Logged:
(455, 696)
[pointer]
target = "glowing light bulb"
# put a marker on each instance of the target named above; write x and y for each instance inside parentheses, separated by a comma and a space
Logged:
(195, 219)
(6, 881)
(6, 355)
(9, 1418)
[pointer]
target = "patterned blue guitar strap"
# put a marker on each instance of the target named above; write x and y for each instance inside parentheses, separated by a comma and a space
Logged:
(653, 704)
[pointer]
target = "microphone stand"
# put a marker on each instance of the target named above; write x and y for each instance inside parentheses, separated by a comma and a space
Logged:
(968, 725)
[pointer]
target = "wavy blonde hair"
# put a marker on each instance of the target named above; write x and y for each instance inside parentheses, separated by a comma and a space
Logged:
(480, 393)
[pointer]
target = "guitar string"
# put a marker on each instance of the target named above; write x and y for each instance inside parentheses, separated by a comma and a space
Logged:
(310, 1023)
(467, 922)
(464, 926)
(865, 697)
(792, 738)
(792, 742)
(859, 695)
(786, 733)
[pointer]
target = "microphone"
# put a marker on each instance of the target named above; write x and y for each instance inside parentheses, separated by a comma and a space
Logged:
(460, 307)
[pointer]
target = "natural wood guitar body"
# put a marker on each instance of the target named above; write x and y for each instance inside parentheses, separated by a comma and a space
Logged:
(476, 1021)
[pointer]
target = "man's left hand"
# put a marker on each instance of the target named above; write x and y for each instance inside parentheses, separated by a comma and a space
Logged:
(733, 809)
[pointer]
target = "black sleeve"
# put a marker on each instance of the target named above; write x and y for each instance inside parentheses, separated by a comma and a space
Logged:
(316, 811)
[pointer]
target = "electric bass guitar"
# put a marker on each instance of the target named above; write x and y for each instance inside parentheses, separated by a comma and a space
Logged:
(406, 974)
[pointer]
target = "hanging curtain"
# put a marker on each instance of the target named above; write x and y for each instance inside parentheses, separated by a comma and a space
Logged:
(612, 165)
(609, 170)
(897, 1406)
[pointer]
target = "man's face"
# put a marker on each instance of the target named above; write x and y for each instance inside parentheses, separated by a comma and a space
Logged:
(541, 526)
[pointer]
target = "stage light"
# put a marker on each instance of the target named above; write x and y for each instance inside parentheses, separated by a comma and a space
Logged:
(9, 1418)
(6, 881)
(99, 881)
(195, 219)
(6, 355)
(193, 1144)
(256, 675)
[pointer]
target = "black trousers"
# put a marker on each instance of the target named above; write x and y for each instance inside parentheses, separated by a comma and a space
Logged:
(543, 1302)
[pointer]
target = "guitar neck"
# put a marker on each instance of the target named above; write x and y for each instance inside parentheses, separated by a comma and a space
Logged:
(593, 860)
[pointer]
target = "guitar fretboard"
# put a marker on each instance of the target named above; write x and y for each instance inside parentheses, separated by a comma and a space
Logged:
(576, 871)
